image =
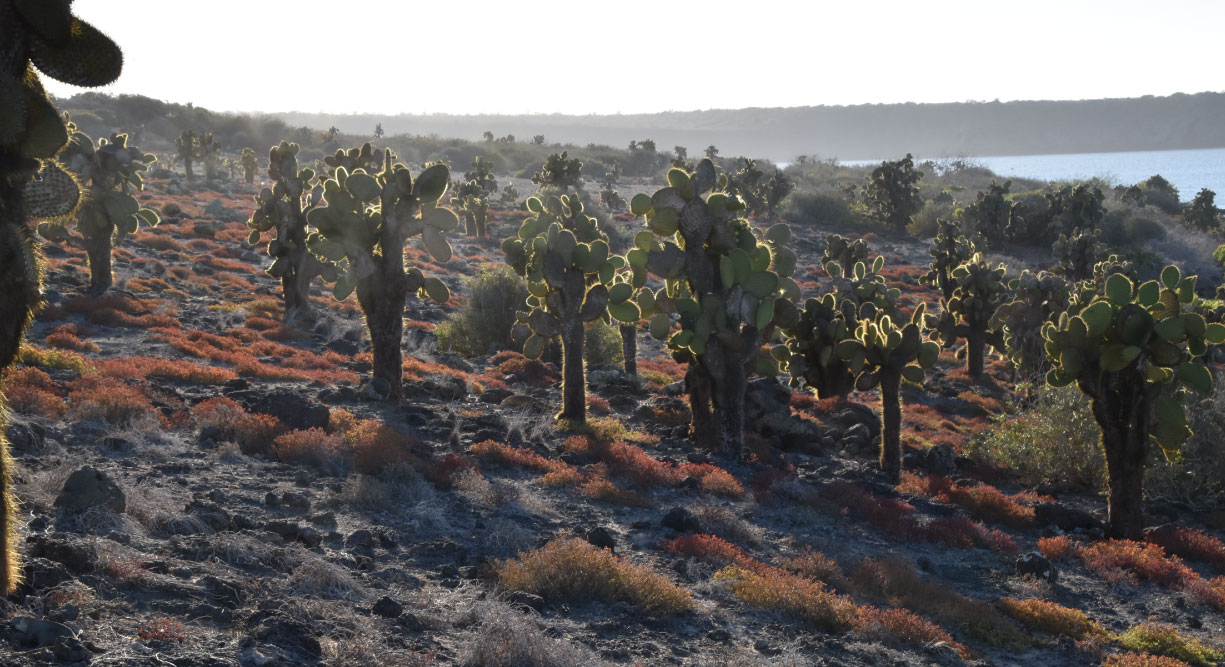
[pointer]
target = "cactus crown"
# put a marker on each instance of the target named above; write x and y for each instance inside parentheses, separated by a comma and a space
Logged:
(841, 255)
(112, 168)
(366, 158)
(881, 345)
(950, 249)
(371, 216)
(1036, 300)
(725, 282)
(564, 256)
(811, 347)
(279, 209)
(1077, 253)
(1138, 339)
(559, 171)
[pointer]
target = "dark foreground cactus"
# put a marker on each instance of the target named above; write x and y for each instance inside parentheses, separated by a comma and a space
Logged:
(361, 236)
(1133, 350)
(46, 36)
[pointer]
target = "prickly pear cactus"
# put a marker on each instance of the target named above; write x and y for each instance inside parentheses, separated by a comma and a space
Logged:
(979, 289)
(812, 346)
(187, 149)
(1036, 300)
(560, 171)
(841, 255)
(281, 212)
(728, 286)
(950, 250)
(473, 203)
(482, 173)
(989, 217)
(1077, 253)
(865, 287)
(210, 153)
(111, 170)
(366, 158)
(881, 353)
(361, 235)
(249, 164)
(42, 35)
(1133, 351)
(564, 256)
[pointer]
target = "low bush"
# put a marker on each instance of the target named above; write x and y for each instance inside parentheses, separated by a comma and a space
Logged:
(572, 570)
(809, 601)
(1058, 547)
(494, 295)
(1141, 660)
(1051, 618)
(106, 399)
(1125, 560)
(1158, 639)
(820, 208)
(253, 433)
(314, 447)
(1191, 544)
(30, 391)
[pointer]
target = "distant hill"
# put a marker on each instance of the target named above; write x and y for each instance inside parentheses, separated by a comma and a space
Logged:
(862, 132)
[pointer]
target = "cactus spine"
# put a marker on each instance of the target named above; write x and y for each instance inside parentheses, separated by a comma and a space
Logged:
(1133, 352)
(47, 36)
(361, 236)
(881, 353)
(728, 287)
(280, 209)
(564, 256)
(978, 291)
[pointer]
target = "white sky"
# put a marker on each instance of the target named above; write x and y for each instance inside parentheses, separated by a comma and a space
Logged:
(578, 56)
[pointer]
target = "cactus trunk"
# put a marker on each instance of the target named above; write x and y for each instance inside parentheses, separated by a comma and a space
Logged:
(295, 282)
(976, 347)
(19, 282)
(729, 404)
(482, 218)
(573, 380)
(891, 427)
(187, 167)
(1124, 418)
(250, 175)
(629, 348)
(469, 223)
(383, 305)
(697, 384)
(98, 249)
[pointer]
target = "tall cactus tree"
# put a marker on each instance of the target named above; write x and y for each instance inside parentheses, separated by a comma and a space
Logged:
(892, 193)
(210, 153)
(42, 35)
(812, 346)
(482, 173)
(473, 202)
(950, 250)
(361, 235)
(187, 149)
(111, 170)
(249, 164)
(979, 290)
(564, 256)
(282, 210)
(1133, 351)
(728, 287)
(880, 354)
(1077, 253)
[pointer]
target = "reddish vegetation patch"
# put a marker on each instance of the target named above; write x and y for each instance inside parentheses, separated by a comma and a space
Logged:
(1141, 660)
(983, 501)
(31, 391)
(312, 446)
(66, 337)
(1058, 547)
(1050, 618)
(1125, 560)
(520, 369)
(597, 404)
(241, 347)
(711, 549)
(112, 310)
(157, 367)
(253, 433)
(1191, 544)
(106, 399)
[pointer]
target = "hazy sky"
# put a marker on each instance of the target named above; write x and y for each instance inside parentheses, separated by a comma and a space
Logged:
(578, 56)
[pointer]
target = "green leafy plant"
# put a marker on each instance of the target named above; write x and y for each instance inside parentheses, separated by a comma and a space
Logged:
(1132, 350)
(880, 354)
(892, 193)
(728, 287)
(111, 171)
(950, 250)
(361, 235)
(564, 256)
(488, 315)
(46, 36)
(282, 210)
(978, 291)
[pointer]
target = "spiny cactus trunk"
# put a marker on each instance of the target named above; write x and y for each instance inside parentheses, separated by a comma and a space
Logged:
(482, 219)
(697, 385)
(19, 281)
(729, 404)
(98, 250)
(187, 167)
(250, 176)
(382, 299)
(469, 223)
(976, 348)
(573, 380)
(295, 283)
(891, 427)
(629, 348)
(1124, 418)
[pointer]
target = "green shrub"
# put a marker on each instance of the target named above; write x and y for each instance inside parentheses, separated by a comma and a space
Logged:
(1053, 441)
(1199, 476)
(494, 295)
(822, 208)
(603, 344)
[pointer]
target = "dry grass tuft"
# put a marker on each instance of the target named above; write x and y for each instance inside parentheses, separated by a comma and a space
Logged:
(570, 569)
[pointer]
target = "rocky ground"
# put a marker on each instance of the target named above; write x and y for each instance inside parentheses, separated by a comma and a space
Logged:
(161, 529)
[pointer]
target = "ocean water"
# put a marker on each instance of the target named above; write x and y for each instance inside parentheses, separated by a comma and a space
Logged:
(1188, 170)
